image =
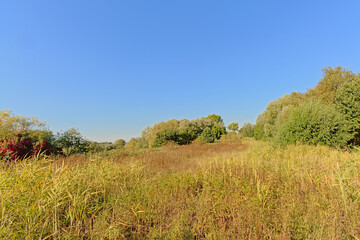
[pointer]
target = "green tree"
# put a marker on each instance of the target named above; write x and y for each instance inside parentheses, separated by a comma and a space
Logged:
(247, 130)
(233, 127)
(268, 119)
(259, 131)
(217, 130)
(13, 125)
(71, 141)
(214, 118)
(348, 103)
(165, 136)
(332, 81)
(314, 122)
(120, 143)
(207, 136)
(182, 131)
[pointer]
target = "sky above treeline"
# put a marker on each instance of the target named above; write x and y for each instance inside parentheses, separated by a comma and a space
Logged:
(112, 68)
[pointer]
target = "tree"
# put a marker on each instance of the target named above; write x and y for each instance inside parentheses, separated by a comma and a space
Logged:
(12, 125)
(268, 119)
(182, 131)
(233, 127)
(207, 136)
(348, 103)
(259, 131)
(314, 122)
(22, 137)
(70, 141)
(214, 118)
(120, 143)
(247, 130)
(166, 135)
(332, 81)
(217, 130)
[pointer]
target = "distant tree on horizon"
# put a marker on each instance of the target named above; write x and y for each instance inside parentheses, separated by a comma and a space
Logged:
(233, 127)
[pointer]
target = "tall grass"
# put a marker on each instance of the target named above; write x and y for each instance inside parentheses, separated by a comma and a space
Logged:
(249, 190)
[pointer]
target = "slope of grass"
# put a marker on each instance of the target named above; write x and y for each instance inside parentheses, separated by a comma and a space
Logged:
(248, 190)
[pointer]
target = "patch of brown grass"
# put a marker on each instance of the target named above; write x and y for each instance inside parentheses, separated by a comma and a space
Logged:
(181, 158)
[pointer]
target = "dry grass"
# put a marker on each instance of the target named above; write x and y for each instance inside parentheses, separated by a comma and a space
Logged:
(249, 190)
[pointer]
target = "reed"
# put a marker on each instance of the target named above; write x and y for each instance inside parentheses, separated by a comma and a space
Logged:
(233, 190)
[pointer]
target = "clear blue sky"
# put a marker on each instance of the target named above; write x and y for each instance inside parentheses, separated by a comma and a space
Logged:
(111, 68)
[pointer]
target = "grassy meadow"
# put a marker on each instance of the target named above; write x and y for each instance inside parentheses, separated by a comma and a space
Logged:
(229, 190)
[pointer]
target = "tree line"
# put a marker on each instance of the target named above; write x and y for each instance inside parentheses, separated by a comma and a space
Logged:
(22, 137)
(328, 114)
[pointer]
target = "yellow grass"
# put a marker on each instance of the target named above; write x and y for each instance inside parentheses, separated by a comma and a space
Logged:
(235, 190)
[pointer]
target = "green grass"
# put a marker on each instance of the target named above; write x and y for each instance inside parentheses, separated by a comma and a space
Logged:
(249, 190)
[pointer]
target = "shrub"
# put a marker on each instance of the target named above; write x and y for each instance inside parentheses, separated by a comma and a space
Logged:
(314, 122)
(70, 141)
(207, 136)
(348, 103)
(120, 143)
(259, 131)
(274, 109)
(247, 130)
(233, 127)
(184, 131)
(21, 147)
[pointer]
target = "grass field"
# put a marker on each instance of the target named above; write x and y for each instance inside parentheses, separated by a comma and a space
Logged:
(238, 190)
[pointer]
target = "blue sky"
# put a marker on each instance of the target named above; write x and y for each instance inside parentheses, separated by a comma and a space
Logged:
(111, 68)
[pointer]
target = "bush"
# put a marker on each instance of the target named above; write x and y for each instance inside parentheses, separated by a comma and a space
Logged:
(259, 131)
(70, 142)
(21, 147)
(120, 143)
(247, 130)
(314, 123)
(207, 136)
(348, 103)
(233, 127)
(268, 119)
(184, 131)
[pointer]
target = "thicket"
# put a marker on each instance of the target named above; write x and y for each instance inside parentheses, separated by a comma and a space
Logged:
(22, 137)
(327, 114)
(206, 129)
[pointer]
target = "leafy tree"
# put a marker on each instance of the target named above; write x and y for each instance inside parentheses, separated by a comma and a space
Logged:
(131, 144)
(268, 119)
(120, 143)
(214, 118)
(217, 131)
(207, 136)
(233, 127)
(247, 130)
(166, 135)
(70, 141)
(142, 143)
(12, 125)
(332, 81)
(314, 122)
(93, 147)
(182, 131)
(348, 103)
(22, 137)
(259, 131)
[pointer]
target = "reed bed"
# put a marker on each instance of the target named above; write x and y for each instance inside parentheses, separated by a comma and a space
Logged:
(235, 190)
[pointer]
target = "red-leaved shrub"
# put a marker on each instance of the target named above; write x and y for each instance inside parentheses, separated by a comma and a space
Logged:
(22, 147)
